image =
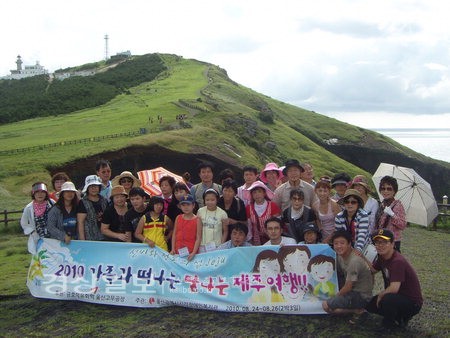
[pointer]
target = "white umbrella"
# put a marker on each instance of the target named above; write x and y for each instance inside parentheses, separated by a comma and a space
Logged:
(413, 191)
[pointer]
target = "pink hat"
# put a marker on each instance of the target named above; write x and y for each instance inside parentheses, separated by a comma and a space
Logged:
(270, 166)
(258, 184)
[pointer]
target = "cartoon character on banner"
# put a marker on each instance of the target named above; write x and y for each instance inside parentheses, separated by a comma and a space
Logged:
(294, 259)
(321, 269)
(267, 266)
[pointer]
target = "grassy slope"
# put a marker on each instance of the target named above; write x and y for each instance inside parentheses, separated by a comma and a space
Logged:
(293, 130)
(23, 315)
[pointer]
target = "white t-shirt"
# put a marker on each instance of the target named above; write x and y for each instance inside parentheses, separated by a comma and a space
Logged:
(212, 224)
(284, 241)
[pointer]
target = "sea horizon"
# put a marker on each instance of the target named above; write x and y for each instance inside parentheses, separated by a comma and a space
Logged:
(431, 142)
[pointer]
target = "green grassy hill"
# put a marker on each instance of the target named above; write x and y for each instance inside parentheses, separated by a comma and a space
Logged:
(225, 123)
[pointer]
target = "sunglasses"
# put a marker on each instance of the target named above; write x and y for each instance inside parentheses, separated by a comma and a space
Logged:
(386, 189)
(351, 202)
(126, 180)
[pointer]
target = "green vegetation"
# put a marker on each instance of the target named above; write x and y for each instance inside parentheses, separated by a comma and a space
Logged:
(37, 97)
(224, 119)
(22, 315)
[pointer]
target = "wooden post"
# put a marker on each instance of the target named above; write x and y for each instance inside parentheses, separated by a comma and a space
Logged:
(5, 216)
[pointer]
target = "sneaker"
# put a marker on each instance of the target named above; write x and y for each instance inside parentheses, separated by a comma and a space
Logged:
(403, 322)
(359, 318)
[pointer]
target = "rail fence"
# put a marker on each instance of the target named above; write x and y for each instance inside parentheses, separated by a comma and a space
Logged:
(5, 216)
(70, 142)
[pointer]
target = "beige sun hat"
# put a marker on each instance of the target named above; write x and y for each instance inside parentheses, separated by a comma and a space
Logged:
(126, 174)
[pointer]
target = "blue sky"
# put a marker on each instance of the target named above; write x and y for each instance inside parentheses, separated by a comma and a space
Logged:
(370, 63)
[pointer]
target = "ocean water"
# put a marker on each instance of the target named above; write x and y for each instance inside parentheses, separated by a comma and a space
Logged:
(431, 142)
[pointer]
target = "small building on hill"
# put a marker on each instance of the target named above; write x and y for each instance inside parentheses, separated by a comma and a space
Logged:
(26, 71)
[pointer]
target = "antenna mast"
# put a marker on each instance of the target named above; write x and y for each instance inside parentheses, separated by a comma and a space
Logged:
(106, 47)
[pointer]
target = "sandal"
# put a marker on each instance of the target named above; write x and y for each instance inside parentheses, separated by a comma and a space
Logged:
(359, 318)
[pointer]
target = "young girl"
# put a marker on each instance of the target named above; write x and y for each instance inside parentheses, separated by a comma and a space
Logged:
(326, 209)
(62, 217)
(153, 224)
(34, 216)
(213, 219)
(187, 232)
(260, 209)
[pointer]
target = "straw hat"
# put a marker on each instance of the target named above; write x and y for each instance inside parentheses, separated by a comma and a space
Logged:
(118, 190)
(116, 180)
(354, 193)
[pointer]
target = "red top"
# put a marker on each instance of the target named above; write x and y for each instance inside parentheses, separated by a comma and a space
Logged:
(186, 233)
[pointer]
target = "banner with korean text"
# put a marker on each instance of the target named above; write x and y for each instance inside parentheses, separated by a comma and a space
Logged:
(288, 279)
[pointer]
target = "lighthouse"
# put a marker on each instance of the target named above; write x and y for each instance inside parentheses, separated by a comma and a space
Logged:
(19, 63)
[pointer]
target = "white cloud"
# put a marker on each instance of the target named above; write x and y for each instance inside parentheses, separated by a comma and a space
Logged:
(327, 56)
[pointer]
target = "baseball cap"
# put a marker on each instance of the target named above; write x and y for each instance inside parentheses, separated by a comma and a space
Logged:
(187, 199)
(383, 234)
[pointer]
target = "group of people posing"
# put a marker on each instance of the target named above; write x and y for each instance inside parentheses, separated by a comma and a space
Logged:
(277, 206)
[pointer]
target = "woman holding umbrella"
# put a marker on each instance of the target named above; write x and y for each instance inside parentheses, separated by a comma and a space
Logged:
(391, 214)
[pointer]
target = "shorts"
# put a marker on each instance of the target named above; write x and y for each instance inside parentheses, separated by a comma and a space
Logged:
(351, 300)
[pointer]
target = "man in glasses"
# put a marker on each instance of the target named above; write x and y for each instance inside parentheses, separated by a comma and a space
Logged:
(402, 296)
(103, 170)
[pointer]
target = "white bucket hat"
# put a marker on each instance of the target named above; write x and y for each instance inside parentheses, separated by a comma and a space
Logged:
(91, 180)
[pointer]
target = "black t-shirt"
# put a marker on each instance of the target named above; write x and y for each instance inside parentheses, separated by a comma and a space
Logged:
(116, 222)
(132, 218)
(236, 211)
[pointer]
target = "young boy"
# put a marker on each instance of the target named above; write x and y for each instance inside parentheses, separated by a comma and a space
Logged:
(250, 176)
(139, 206)
(311, 233)
(239, 233)
(356, 277)
(273, 228)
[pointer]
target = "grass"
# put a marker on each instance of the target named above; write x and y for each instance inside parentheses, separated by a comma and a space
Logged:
(23, 315)
(225, 110)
